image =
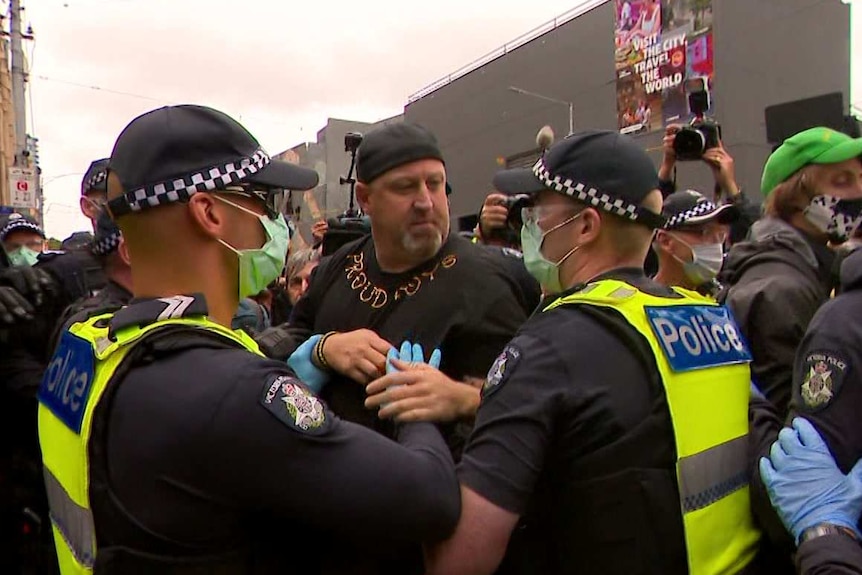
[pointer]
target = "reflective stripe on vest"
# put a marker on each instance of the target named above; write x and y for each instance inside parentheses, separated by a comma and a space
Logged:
(77, 376)
(703, 363)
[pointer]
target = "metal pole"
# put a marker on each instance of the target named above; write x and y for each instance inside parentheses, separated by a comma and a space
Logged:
(18, 79)
(570, 105)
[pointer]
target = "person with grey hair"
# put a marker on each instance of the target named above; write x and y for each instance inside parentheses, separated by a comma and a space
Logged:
(292, 284)
(300, 264)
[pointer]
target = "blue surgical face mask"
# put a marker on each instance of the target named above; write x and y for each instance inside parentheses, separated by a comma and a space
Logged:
(546, 272)
(260, 267)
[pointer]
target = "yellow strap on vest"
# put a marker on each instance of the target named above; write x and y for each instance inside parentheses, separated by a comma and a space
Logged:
(74, 383)
(709, 410)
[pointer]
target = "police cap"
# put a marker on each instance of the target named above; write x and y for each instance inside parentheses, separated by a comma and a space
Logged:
(169, 154)
(604, 169)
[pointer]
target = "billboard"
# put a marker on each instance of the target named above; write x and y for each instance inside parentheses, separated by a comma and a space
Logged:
(658, 46)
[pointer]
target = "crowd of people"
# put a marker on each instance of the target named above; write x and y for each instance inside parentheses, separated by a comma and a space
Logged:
(607, 375)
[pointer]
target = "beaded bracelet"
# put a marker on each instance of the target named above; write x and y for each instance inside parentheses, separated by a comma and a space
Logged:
(318, 350)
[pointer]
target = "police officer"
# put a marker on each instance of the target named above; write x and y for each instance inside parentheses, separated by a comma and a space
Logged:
(690, 245)
(827, 386)
(108, 246)
(22, 239)
(170, 445)
(79, 270)
(612, 433)
(818, 503)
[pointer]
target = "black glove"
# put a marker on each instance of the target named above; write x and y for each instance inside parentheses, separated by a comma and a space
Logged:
(13, 307)
(35, 284)
(276, 343)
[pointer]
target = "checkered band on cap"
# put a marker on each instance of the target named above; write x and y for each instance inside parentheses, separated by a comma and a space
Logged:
(586, 194)
(20, 224)
(206, 180)
(702, 208)
(107, 244)
(96, 179)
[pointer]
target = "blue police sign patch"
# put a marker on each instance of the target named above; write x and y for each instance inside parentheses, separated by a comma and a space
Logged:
(823, 374)
(697, 336)
(66, 384)
(292, 403)
(502, 367)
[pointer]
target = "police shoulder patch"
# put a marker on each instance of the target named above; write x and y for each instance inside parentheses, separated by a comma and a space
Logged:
(823, 373)
(294, 405)
(501, 369)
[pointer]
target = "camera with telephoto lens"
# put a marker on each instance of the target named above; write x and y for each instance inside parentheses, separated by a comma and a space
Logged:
(702, 134)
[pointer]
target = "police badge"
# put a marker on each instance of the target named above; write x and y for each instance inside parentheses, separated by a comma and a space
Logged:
(293, 404)
(501, 369)
(823, 375)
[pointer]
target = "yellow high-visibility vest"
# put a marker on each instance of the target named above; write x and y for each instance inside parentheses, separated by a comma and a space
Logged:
(83, 365)
(704, 366)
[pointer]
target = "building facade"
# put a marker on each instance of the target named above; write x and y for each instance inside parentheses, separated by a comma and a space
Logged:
(7, 125)
(762, 52)
(327, 156)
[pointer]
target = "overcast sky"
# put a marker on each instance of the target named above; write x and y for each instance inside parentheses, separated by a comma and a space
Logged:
(281, 67)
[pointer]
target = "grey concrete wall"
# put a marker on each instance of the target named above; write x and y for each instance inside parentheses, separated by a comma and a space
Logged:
(334, 197)
(766, 52)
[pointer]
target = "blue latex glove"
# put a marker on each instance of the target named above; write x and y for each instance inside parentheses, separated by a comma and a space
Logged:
(412, 353)
(805, 485)
(300, 362)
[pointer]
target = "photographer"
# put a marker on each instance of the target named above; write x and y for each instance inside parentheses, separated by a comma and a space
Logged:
(318, 232)
(726, 188)
(493, 228)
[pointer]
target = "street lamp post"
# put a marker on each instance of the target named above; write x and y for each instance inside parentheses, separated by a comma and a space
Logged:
(570, 105)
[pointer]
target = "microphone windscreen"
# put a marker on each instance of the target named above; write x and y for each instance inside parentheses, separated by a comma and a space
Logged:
(545, 137)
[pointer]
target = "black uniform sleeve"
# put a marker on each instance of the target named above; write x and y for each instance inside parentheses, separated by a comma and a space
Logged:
(827, 388)
(764, 424)
(829, 555)
(523, 395)
(275, 448)
(20, 370)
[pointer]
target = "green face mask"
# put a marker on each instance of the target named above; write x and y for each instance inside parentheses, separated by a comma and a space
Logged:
(260, 267)
(546, 272)
(23, 256)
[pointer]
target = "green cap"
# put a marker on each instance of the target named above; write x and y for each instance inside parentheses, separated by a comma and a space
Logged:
(812, 146)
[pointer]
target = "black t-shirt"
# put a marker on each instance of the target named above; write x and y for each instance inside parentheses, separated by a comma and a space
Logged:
(465, 300)
(574, 420)
(211, 448)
